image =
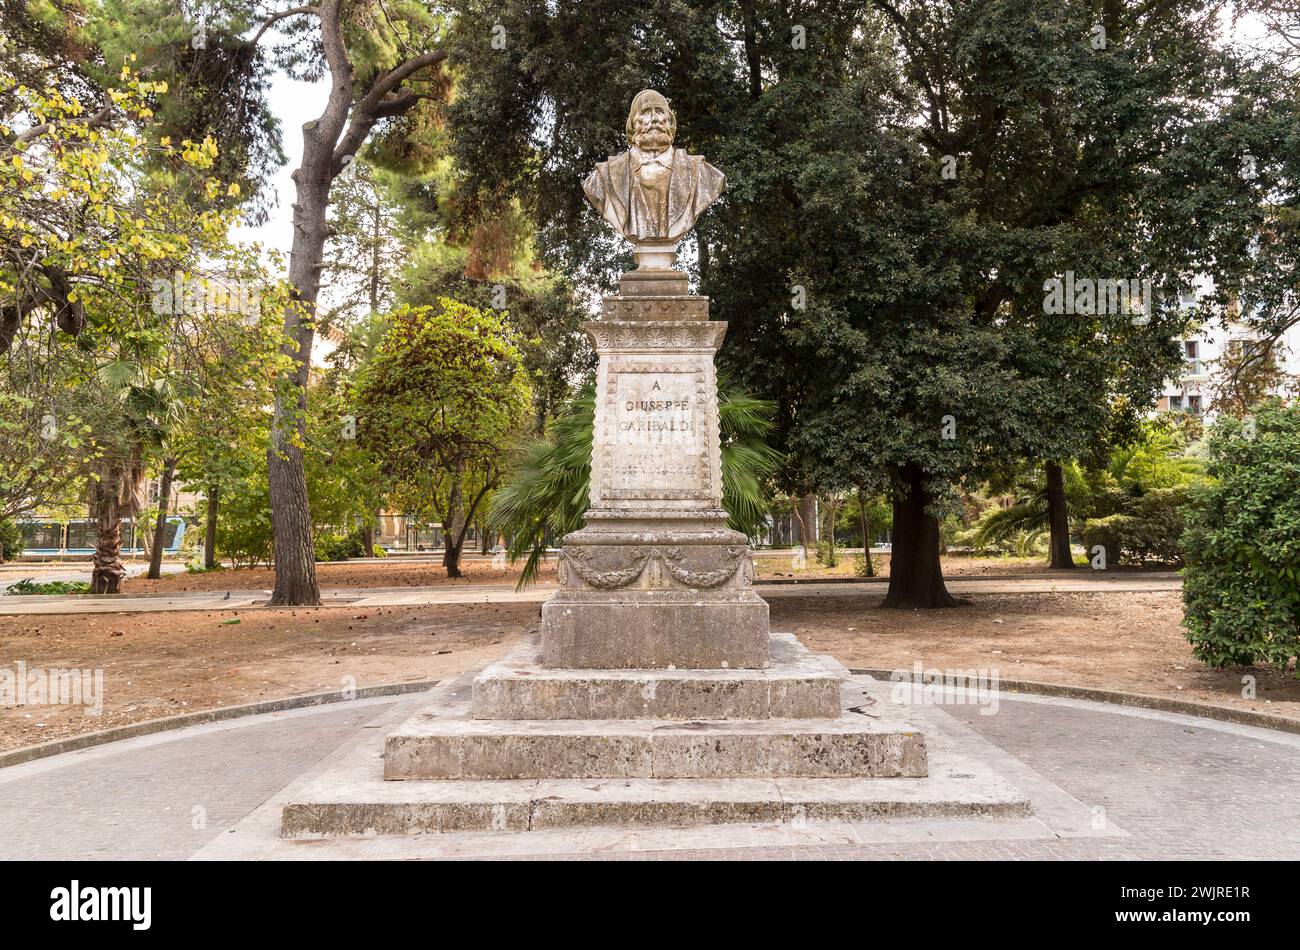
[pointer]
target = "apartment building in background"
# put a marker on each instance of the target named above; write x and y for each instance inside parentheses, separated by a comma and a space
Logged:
(1193, 390)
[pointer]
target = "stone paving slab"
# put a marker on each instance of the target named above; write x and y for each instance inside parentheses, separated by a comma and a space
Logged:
(166, 795)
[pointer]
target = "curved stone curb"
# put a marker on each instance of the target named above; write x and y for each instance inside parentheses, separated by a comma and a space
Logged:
(203, 717)
(1113, 576)
(1243, 717)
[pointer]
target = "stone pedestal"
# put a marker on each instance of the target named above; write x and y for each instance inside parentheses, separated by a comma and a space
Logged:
(655, 579)
(524, 747)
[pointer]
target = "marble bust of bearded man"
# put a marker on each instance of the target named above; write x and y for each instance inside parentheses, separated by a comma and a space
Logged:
(653, 192)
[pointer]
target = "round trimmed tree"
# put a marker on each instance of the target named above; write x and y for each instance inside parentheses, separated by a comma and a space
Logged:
(440, 402)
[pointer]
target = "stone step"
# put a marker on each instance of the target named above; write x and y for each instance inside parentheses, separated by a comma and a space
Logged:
(431, 746)
(401, 808)
(797, 685)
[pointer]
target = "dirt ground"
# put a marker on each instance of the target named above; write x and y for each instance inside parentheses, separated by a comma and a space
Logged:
(396, 572)
(1132, 642)
(386, 572)
(159, 664)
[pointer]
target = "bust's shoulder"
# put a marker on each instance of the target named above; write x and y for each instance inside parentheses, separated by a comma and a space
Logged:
(682, 157)
(697, 161)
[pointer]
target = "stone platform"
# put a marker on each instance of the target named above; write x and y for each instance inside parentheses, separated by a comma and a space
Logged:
(785, 744)
(811, 739)
(797, 685)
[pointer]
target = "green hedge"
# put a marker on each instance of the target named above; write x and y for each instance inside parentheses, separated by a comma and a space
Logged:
(340, 548)
(1148, 529)
(1241, 588)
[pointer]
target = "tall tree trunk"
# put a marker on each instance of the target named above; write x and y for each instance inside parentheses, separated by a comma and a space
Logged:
(832, 508)
(868, 569)
(915, 576)
(107, 568)
(1058, 517)
(330, 143)
(210, 529)
(753, 63)
(294, 546)
(808, 519)
(451, 555)
(160, 526)
(368, 536)
(451, 534)
(798, 520)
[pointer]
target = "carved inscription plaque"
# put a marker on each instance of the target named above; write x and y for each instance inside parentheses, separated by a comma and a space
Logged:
(659, 444)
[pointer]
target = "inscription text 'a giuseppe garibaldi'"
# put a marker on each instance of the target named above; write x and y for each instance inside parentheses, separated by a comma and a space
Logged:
(658, 441)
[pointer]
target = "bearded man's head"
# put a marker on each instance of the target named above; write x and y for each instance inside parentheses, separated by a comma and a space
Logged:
(651, 124)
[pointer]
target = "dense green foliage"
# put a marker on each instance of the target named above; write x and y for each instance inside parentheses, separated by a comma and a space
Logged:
(1148, 528)
(244, 522)
(11, 540)
(1127, 500)
(341, 547)
(1241, 586)
(445, 393)
(896, 312)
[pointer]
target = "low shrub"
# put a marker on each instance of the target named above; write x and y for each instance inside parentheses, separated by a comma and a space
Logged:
(244, 524)
(340, 548)
(28, 586)
(827, 554)
(1149, 529)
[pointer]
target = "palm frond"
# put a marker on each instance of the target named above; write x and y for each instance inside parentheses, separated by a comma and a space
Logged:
(1001, 524)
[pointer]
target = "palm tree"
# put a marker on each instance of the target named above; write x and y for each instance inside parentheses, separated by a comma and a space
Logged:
(545, 491)
(1025, 520)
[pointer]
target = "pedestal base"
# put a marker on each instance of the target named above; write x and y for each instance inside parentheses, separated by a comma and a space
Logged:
(796, 685)
(655, 629)
(768, 747)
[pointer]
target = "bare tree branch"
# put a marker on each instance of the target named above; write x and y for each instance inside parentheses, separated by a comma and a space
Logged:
(283, 14)
(97, 120)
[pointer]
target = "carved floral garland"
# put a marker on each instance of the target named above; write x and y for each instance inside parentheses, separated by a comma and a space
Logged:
(579, 559)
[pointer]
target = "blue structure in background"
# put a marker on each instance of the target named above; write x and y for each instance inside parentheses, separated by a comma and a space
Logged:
(45, 536)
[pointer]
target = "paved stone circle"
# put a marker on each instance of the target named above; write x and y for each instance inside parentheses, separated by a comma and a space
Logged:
(1181, 788)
